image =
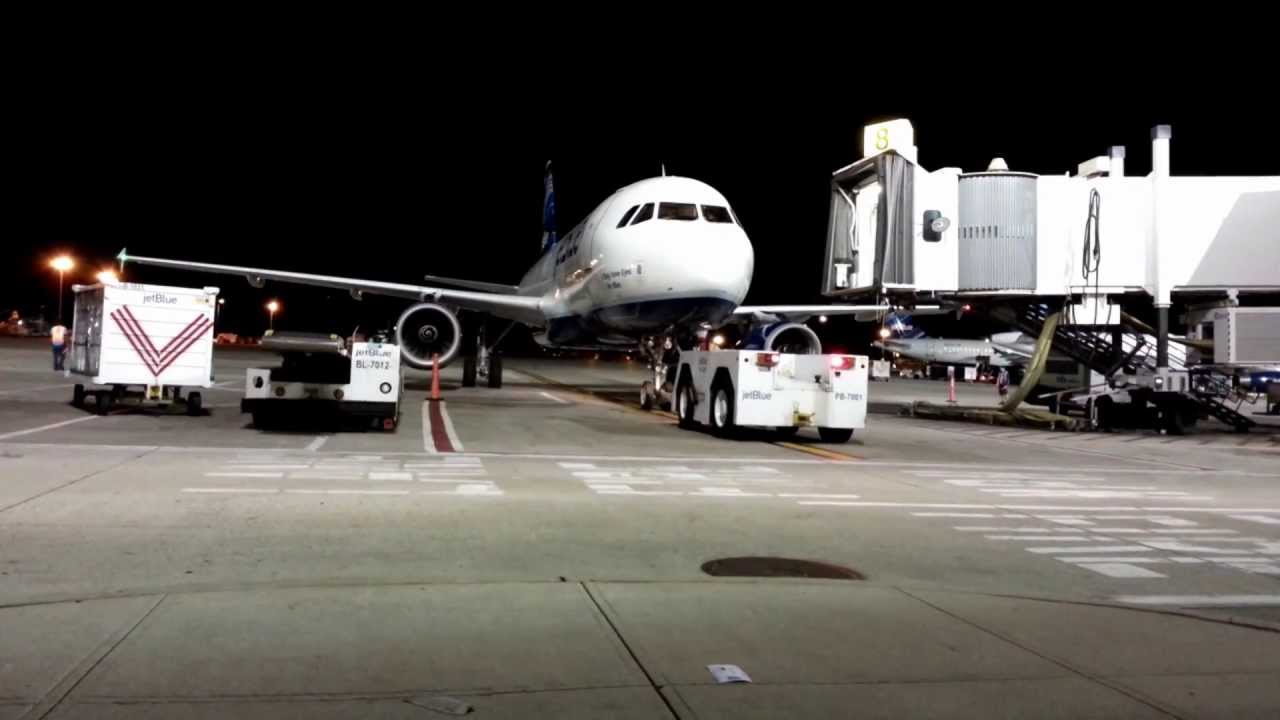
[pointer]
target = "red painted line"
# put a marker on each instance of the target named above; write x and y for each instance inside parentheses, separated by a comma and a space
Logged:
(128, 335)
(155, 354)
(191, 340)
(439, 436)
(173, 342)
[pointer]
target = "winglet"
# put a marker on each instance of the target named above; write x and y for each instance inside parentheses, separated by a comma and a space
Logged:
(123, 257)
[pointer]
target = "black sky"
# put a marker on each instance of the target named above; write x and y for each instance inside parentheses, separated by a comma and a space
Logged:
(392, 161)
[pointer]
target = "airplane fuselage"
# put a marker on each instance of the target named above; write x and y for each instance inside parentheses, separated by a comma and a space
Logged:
(948, 352)
(660, 253)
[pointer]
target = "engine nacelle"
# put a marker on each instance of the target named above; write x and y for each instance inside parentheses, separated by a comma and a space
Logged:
(796, 338)
(427, 329)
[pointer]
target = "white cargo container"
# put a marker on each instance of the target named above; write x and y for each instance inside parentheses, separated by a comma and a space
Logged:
(144, 342)
(728, 389)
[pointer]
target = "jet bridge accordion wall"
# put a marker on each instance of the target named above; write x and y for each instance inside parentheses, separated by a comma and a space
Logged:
(997, 231)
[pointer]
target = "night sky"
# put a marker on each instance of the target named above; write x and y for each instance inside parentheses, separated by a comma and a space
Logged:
(391, 164)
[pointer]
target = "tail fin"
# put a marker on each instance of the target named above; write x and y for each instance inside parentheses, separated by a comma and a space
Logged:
(901, 325)
(549, 233)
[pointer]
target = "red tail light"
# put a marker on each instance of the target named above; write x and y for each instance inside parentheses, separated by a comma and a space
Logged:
(841, 362)
(766, 359)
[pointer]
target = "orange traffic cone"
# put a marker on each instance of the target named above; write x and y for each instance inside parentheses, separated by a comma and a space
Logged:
(435, 376)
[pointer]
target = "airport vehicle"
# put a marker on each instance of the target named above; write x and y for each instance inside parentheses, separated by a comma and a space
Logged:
(661, 258)
(731, 389)
(1193, 251)
(321, 377)
(146, 343)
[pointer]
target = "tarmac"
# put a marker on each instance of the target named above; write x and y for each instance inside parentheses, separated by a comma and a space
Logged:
(536, 551)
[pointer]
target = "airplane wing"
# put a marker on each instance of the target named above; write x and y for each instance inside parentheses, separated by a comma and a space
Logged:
(510, 306)
(800, 313)
(1012, 351)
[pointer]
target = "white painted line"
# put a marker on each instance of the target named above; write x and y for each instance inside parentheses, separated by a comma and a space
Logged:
(316, 444)
(1120, 531)
(549, 396)
(1200, 600)
(448, 428)
(264, 466)
(1095, 549)
(245, 474)
(477, 489)
(956, 515)
(50, 426)
(348, 477)
(578, 466)
(842, 503)
(1195, 531)
(818, 495)
(1039, 538)
(1240, 559)
(1258, 519)
(1122, 570)
(726, 492)
(398, 475)
(259, 491)
(346, 492)
(1106, 558)
(995, 528)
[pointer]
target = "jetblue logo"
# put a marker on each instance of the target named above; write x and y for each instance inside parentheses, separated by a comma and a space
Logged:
(159, 298)
(756, 395)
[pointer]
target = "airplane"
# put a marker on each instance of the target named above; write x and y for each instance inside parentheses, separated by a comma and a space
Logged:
(1007, 349)
(664, 258)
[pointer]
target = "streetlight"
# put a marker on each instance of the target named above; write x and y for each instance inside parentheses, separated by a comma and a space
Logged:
(272, 307)
(822, 318)
(108, 276)
(62, 264)
(884, 335)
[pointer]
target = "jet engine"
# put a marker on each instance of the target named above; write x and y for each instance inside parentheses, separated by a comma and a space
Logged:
(427, 329)
(795, 338)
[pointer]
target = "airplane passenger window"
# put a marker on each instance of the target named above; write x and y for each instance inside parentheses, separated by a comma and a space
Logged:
(677, 211)
(627, 216)
(716, 214)
(645, 213)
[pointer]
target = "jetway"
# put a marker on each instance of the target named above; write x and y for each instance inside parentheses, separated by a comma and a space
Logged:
(896, 228)
(1102, 247)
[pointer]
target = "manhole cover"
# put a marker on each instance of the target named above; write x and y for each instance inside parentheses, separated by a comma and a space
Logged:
(778, 567)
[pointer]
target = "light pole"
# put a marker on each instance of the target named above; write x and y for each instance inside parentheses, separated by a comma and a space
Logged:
(62, 264)
(272, 307)
(217, 309)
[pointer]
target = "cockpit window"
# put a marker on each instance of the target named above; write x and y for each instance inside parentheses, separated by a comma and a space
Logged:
(716, 214)
(645, 213)
(628, 215)
(677, 211)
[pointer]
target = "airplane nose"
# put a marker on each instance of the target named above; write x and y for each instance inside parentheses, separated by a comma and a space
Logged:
(727, 267)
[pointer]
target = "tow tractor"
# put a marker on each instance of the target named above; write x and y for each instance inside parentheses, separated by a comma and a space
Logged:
(731, 389)
(320, 375)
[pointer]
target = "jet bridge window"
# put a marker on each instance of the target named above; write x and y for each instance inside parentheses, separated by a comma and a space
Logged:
(645, 213)
(677, 211)
(716, 214)
(627, 216)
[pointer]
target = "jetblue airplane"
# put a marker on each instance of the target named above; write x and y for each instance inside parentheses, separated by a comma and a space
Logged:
(664, 257)
(1007, 349)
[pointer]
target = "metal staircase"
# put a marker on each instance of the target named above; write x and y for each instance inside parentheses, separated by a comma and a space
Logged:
(1211, 390)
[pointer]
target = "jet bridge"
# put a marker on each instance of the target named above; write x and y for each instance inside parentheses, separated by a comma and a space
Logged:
(1117, 254)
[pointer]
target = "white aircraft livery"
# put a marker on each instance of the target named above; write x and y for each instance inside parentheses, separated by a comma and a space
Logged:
(662, 257)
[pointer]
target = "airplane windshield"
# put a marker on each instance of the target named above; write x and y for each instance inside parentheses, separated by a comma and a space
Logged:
(645, 213)
(716, 214)
(677, 211)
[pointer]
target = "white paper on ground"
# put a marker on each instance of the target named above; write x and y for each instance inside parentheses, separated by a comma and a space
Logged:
(728, 674)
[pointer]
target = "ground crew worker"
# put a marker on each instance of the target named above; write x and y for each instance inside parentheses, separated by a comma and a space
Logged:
(58, 336)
